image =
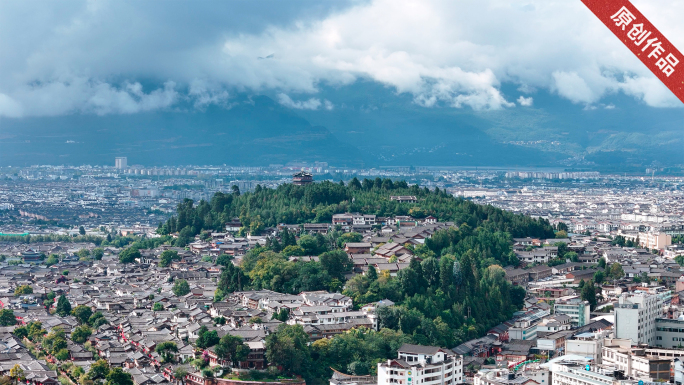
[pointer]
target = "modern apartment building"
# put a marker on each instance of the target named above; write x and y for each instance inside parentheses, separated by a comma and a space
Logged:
(575, 308)
(635, 362)
(635, 317)
(422, 365)
(669, 333)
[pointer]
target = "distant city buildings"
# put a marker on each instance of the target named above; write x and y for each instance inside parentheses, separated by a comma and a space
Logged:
(121, 163)
(553, 175)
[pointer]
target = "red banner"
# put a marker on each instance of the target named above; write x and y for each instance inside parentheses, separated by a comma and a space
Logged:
(645, 41)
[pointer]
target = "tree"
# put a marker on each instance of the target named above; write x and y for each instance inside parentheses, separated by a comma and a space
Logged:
(599, 276)
(572, 256)
(166, 350)
(232, 279)
(336, 263)
(129, 255)
(616, 271)
(207, 339)
(602, 263)
(22, 290)
(372, 273)
(283, 315)
(589, 294)
(83, 254)
(81, 230)
(680, 260)
(63, 306)
(96, 320)
(53, 259)
(232, 348)
(55, 341)
(62, 355)
(181, 288)
(167, 257)
(288, 347)
(180, 373)
(117, 376)
(98, 370)
(293, 250)
(310, 245)
(562, 234)
(82, 313)
(35, 331)
(158, 307)
(224, 260)
(98, 253)
(17, 372)
(7, 317)
(81, 333)
(562, 248)
(21, 332)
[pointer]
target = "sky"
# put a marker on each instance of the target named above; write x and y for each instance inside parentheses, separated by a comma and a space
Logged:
(123, 57)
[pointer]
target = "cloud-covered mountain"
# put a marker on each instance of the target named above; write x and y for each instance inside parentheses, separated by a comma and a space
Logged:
(253, 131)
(369, 126)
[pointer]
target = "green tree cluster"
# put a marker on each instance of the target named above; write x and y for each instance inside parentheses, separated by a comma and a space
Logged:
(129, 255)
(180, 288)
(206, 338)
(318, 202)
(63, 306)
(7, 317)
(167, 257)
(22, 290)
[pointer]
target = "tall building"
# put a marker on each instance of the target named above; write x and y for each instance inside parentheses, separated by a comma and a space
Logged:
(121, 163)
(422, 365)
(635, 318)
(573, 306)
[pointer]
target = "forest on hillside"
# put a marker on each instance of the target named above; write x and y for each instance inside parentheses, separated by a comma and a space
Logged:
(318, 202)
(454, 290)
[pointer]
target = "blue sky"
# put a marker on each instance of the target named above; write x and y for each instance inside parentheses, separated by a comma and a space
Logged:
(124, 57)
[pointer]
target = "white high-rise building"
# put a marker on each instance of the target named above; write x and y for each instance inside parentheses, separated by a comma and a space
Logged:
(121, 162)
(635, 318)
(422, 365)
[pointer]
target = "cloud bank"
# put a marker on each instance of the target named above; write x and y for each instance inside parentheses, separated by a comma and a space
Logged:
(109, 57)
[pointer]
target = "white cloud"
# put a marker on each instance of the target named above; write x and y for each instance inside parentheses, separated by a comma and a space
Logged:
(94, 57)
(203, 93)
(573, 87)
(525, 102)
(85, 96)
(311, 104)
(10, 107)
